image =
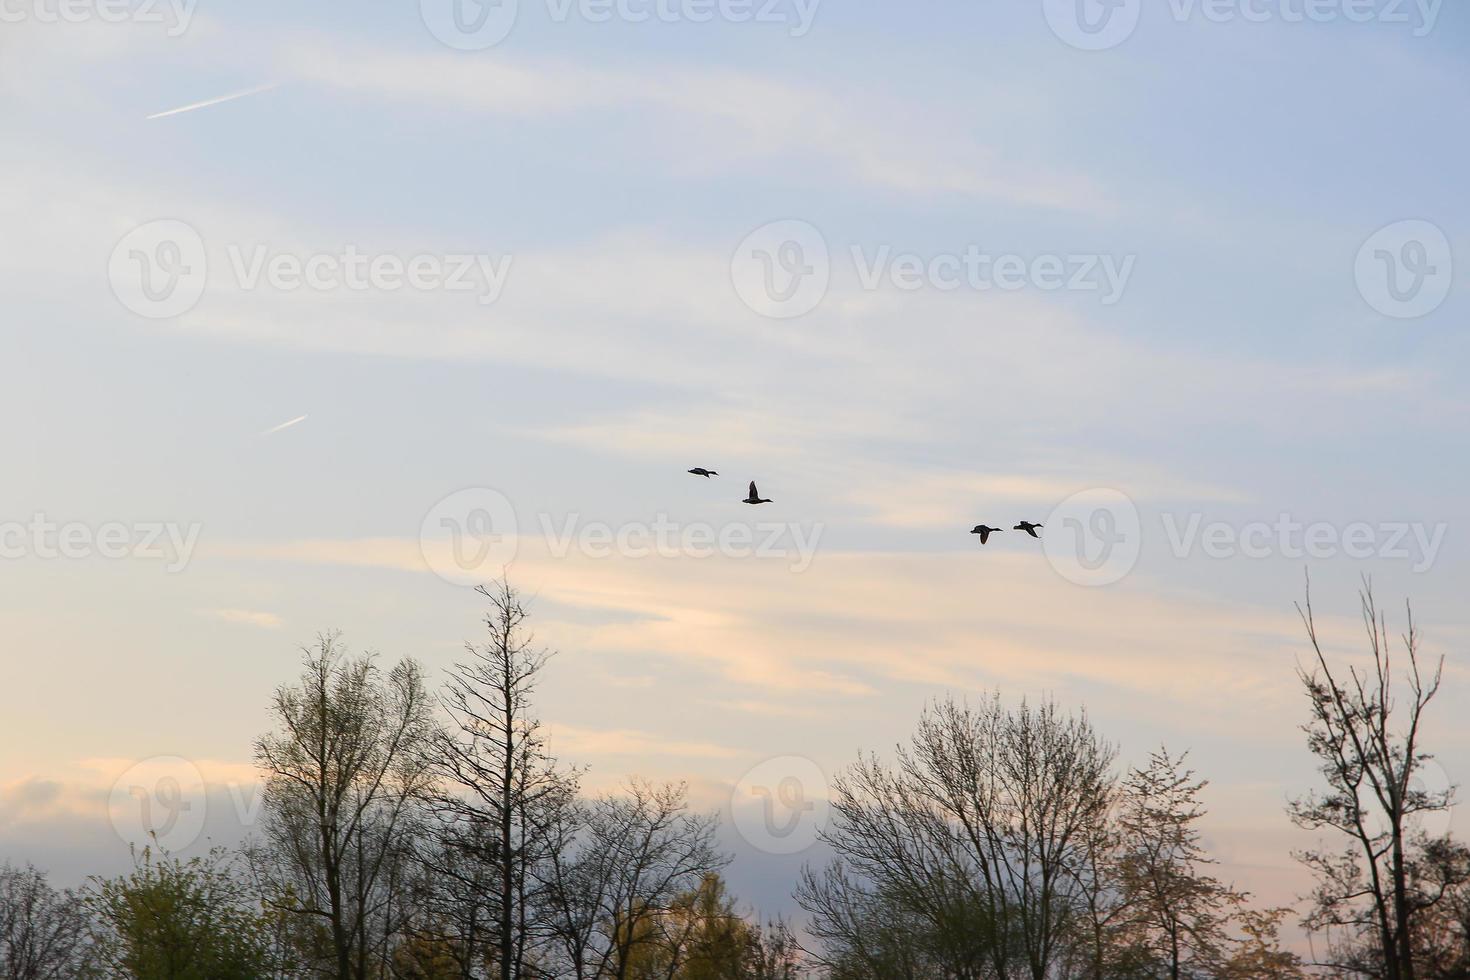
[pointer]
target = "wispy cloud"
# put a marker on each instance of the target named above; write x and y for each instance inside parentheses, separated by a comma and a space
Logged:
(215, 101)
(575, 741)
(285, 425)
(869, 139)
(246, 617)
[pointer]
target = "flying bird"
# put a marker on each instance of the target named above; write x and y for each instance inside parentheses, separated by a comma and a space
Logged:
(1028, 527)
(755, 497)
(701, 471)
(984, 532)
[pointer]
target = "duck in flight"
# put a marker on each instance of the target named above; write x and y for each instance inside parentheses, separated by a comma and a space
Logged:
(1028, 527)
(984, 532)
(701, 471)
(755, 497)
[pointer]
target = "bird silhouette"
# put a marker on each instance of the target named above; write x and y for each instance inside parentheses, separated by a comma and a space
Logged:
(701, 471)
(984, 532)
(755, 497)
(1028, 527)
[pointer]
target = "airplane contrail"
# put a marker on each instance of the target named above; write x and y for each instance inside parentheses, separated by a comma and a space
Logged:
(285, 425)
(209, 102)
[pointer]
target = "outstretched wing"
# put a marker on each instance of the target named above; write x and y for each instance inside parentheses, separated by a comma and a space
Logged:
(984, 535)
(753, 494)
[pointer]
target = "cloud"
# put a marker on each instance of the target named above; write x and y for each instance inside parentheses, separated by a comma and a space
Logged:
(246, 617)
(575, 741)
(32, 799)
(940, 499)
(713, 118)
(856, 622)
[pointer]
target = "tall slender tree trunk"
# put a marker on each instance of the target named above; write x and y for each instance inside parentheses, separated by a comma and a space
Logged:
(507, 804)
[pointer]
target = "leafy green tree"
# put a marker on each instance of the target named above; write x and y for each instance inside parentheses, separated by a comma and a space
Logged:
(171, 919)
(1258, 954)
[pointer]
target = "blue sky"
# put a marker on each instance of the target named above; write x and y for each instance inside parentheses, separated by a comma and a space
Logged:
(1241, 375)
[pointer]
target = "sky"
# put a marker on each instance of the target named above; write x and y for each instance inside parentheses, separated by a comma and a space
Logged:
(315, 319)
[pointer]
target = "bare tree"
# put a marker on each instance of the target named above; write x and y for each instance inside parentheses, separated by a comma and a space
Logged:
(41, 929)
(621, 864)
(1370, 754)
(871, 931)
(343, 770)
(1102, 903)
(498, 793)
(977, 834)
